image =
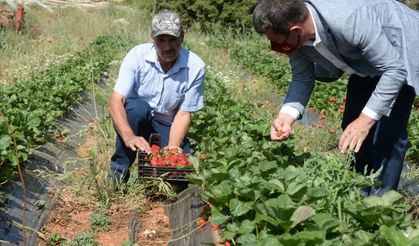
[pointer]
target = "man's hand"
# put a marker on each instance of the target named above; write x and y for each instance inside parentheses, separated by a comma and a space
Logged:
(281, 128)
(176, 149)
(137, 143)
(355, 133)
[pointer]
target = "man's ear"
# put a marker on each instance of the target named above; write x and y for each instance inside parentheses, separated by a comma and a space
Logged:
(297, 28)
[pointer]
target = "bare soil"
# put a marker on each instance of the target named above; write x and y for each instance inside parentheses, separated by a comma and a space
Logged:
(74, 205)
(70, 219)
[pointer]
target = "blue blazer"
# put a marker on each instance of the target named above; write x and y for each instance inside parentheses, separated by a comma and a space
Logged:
(373, 37)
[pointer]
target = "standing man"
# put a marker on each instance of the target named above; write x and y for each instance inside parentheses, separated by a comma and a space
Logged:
(158, 86)
(377, 43)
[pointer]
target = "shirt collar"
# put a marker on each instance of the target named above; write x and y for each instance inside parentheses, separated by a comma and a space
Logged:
(316, 32)
(181, 61)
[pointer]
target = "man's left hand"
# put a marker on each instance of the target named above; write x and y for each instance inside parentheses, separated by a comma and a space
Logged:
(355, 133)
(174, 149)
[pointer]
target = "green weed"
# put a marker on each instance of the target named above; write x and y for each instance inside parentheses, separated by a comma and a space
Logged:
(99, 221)
(84, 239)
(54, 239)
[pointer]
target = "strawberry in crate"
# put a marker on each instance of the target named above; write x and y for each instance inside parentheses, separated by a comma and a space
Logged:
(167, 163)
(168, 157)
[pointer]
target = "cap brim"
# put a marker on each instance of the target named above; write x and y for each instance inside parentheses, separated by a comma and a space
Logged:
(167, 33)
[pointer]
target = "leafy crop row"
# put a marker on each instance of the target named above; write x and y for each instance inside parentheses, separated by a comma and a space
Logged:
(31, 107)
(264, 193)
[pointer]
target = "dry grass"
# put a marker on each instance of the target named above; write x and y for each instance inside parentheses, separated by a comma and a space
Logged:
(51, 36)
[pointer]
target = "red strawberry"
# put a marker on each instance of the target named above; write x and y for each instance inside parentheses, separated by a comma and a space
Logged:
(60, 138)
(332, 99)
(201, 222)
(215, 227)
(280, 133)
(155, 149)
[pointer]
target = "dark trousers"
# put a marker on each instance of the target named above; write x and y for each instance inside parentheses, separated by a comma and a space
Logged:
(143, 124)
(386, 143)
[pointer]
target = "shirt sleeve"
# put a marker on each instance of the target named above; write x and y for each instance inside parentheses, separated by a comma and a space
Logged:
(194, 96)
(381, 45)
(373, 115)
(290, 111)
(127, 73)
(302, 83)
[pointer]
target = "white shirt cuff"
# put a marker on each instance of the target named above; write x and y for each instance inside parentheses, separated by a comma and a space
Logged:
(293, 112)
(368, 112)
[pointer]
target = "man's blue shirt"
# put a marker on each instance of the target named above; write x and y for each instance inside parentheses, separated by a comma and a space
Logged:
(182, 87)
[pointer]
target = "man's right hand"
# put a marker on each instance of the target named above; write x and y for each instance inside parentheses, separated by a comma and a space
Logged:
(137, 143)
(281, 128)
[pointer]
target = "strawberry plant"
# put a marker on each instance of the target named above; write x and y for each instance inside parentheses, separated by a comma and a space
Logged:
(262, 192)
(31, 107)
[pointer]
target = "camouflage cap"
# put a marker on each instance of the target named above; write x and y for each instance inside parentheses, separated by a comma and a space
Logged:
(166, 22)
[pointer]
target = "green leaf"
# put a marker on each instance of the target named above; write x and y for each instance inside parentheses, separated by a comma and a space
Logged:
(317, 192)
(266, 166)
(196, 179)
(301, 214)
(276, 211)
(238, 208)
(413, 233)
(308, 237)
(414, 241)
(325, 221)
(233, 226)
(393, 236)
(34, 122)
(283, 201)
(222, 191)
(247, 193)
(195, 163)
(363, 236)
(279, 186)
(373, 201)
(217, 218)
(247, 239)
(5, 141)
(229, 235)
(268, 241)
(391, 197)
(266, 218)
(246, 227)
(296, 190)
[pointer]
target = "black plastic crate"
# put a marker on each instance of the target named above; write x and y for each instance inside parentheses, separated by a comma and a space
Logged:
(148, 172)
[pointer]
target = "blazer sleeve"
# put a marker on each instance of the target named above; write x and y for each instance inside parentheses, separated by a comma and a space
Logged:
(381, 45)
(302, 83)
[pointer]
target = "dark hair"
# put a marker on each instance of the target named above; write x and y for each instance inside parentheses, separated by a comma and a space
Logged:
(278, 15)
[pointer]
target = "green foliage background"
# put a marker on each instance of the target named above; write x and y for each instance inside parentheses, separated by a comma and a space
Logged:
(411, 3)
(218, 13)
(210, 13)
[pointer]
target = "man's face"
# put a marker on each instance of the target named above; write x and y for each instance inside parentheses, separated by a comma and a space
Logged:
(284, 44)
(168, 48)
